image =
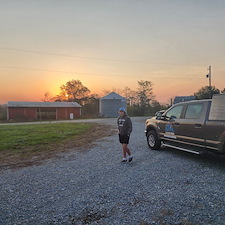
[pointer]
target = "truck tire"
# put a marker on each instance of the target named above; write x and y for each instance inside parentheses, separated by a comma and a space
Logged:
(153, 140)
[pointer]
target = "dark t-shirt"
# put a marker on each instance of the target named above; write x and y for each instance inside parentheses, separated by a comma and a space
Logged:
(124, 125)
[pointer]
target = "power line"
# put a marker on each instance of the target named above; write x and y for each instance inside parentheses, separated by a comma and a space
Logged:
(88, 58)
(70, 72)
(55, 71)
(71, 56)
(91, 74)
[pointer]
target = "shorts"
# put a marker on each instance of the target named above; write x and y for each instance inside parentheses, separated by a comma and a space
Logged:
(124, 139)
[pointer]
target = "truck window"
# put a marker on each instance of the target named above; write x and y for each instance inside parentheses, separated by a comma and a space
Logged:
(175, 112)
(193, 111)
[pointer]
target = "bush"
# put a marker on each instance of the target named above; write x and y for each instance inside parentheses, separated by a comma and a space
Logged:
(3, 112)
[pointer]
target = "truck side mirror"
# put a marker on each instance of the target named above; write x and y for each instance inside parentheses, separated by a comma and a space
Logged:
(162, 117)
(173, 117)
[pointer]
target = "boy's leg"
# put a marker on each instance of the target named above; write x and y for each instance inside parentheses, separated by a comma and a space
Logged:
(126, 150)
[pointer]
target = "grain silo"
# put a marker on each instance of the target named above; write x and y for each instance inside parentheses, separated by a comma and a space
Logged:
(110, 104)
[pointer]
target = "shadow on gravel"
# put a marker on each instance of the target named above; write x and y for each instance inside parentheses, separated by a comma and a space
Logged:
(87, 216)
(207, 159)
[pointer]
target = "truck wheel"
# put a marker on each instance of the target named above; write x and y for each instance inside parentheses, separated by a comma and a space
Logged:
(153, 140)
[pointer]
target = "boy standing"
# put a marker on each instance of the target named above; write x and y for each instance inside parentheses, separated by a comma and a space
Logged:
(125, 128)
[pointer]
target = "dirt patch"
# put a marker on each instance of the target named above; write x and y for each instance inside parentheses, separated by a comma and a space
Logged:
(79, 143)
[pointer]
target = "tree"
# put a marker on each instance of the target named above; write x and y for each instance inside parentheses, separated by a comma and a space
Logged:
(91, 106)
(142, 99)
(47, 97)
(145, 93)
(74, 91)
(156, 105)
(206, 92)
(3, 112)
(130, 95)
(223, 91)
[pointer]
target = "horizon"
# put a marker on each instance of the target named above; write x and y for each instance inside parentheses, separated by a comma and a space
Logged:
(110, 45)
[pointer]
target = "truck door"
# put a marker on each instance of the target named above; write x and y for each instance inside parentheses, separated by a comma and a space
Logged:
(192, 126)
(169, 124)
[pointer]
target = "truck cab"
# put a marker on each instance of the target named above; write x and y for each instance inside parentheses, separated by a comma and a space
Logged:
(185, 126)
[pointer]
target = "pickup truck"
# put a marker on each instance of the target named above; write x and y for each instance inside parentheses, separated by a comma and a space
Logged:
(195, 126)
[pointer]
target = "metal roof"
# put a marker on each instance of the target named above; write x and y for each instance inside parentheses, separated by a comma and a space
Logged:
(113, 95)
(43, 104)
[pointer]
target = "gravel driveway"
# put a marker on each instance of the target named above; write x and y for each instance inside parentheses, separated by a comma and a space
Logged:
(158, 187)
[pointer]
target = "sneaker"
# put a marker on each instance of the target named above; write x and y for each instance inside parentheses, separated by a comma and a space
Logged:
(130, 159)
(124, 160)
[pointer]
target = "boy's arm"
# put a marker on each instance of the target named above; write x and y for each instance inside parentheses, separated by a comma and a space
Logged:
(129, 126)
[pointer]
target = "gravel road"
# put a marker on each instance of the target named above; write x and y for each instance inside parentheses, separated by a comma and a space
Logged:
(94, 187)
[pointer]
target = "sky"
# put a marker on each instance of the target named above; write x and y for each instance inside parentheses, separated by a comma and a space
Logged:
(110, 45)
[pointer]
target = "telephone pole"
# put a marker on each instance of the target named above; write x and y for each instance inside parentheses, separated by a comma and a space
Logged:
(209, 75)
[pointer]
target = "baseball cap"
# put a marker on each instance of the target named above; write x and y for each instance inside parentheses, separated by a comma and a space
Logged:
(122, 109)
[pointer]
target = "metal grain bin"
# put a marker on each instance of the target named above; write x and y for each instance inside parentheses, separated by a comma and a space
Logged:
(110, 104)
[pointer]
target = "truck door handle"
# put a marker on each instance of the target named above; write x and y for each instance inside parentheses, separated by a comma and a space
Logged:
(198, 125)
(176, 124)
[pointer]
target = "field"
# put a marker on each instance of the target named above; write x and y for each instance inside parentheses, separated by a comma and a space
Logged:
(26, 144)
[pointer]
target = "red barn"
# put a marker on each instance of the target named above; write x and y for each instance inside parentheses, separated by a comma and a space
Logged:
(43, 110)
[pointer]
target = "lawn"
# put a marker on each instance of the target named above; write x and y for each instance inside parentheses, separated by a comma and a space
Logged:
(26, 145)
(16, 138)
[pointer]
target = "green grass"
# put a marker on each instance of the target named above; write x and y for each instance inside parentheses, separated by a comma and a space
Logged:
(20, 137)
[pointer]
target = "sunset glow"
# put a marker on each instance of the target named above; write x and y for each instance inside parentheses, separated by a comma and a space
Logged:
(110, 45)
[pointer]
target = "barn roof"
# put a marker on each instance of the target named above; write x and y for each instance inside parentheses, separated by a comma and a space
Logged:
(43, 104)
(113, 95)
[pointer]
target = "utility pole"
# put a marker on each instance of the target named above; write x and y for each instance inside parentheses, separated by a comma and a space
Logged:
(209, 75)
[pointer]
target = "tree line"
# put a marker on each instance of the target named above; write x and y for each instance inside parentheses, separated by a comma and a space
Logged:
(140, 102)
